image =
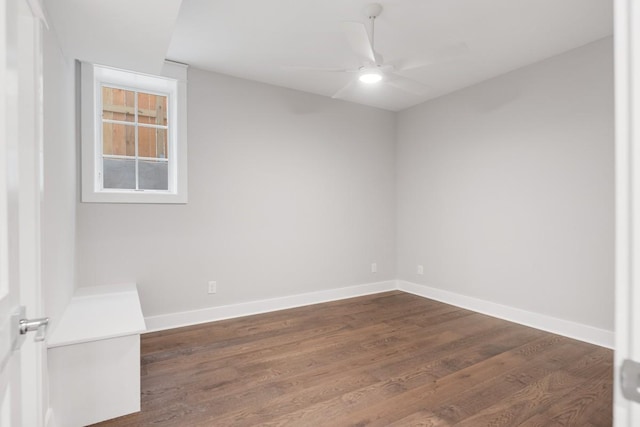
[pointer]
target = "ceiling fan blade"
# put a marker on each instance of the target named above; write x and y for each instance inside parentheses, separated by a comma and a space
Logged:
(340, 94)
(443, 54)
(406, 84)
(358, 39)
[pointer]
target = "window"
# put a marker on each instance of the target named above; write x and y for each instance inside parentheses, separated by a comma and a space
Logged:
(134, 147)
(133, 135)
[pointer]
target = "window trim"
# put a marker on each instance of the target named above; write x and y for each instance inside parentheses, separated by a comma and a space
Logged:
(173, 82)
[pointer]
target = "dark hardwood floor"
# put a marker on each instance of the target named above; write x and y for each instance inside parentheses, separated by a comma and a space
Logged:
(390, 359)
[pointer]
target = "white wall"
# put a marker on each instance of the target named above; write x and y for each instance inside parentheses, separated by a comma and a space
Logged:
(505, 190)
(60, 182)
(288, 193)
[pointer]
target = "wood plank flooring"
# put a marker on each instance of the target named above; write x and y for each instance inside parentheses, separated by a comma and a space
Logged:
(390, 359)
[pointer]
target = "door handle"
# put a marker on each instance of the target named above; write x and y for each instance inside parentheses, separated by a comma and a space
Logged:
(30, 325)
(630, 380)
(21, 325)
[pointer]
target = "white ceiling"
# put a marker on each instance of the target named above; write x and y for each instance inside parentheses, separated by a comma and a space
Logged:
(258, 39)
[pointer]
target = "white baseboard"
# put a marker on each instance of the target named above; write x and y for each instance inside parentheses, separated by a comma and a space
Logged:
(554, 325)
(187, 318)
(551, 324)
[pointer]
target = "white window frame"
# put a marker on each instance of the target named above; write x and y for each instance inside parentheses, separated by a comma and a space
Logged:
(172, 83)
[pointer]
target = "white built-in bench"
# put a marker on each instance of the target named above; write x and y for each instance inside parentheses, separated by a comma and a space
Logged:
(94, 356)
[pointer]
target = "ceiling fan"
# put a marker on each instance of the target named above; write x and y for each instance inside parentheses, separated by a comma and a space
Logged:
(374, 69)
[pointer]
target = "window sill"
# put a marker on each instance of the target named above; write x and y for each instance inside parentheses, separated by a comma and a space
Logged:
(137, 197)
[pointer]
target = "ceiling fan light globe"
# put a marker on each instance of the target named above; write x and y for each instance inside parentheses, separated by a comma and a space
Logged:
(370, 78)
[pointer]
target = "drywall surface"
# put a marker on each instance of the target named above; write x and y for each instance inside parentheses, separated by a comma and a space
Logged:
(60, 180)
(505, 190)
(288, 193)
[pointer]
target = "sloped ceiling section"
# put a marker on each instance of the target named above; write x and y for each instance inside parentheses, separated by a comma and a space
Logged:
(133, 35)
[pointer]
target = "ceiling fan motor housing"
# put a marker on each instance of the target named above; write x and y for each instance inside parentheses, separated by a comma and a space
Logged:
(373, 10)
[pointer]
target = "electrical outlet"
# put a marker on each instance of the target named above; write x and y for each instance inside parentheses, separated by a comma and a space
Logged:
(420, 269)
(213, 287)
(374, 267)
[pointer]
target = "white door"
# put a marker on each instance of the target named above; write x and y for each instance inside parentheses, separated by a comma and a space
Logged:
(21, 368)
(627, 354)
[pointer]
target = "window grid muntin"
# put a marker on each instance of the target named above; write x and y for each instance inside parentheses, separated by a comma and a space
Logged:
(135, 122)
(118, 156)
